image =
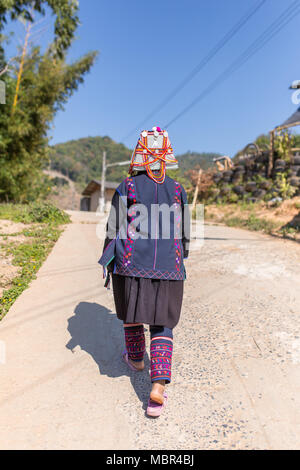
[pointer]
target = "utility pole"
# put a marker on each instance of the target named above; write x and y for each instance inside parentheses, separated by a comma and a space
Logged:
(196, 191)
(103, 180)
(102, 194)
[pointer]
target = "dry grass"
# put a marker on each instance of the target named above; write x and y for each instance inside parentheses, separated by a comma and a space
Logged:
(282, 220)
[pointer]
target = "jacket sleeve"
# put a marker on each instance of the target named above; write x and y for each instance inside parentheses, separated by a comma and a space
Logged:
(113, 225)
(186, 223)
(116, 223)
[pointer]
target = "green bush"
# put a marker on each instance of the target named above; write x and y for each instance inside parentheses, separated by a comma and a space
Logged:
(286, 191)
(37, 212)
(252, 223)
(47, 213)
(233, 198)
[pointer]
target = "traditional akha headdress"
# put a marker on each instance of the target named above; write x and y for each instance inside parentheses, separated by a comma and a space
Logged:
(153, 152)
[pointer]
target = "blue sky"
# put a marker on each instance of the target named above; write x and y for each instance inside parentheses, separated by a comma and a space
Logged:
(147, 48)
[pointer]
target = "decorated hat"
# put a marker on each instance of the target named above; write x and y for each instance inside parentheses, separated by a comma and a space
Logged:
(153, 152)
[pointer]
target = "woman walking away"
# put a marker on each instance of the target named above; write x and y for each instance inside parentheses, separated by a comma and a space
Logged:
(146, 242)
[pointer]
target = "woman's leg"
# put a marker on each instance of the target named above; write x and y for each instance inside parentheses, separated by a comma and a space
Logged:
(135, 343)
(161, 350)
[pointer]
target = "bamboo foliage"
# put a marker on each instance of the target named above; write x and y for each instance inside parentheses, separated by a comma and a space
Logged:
(37, 86)
(21, 68)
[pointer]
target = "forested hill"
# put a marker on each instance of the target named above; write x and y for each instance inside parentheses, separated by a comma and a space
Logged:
(81, 160)
(190, 160)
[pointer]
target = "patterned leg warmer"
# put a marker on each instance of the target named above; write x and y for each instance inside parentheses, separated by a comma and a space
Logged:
(135, 342)
(161, 353)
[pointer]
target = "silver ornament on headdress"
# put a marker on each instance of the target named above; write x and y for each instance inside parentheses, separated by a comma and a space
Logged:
(155, 143)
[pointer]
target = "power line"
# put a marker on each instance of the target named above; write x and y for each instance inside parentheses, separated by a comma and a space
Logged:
(286, 17)
(211, 54)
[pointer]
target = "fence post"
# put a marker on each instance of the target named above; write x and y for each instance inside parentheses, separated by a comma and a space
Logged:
(271, 154)
(196, 191)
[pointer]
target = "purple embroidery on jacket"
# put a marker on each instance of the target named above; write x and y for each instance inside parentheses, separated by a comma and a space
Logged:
(149, 273)
(177, 204)
(129, 242)
(156, 228)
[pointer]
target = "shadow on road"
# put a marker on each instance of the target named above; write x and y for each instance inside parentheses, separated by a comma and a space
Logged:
(293, 224)
(99, 332)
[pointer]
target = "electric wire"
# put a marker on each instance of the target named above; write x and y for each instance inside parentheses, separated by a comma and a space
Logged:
(211, 54)
(285, 18)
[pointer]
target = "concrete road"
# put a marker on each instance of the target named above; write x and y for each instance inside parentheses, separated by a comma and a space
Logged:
(236, 374)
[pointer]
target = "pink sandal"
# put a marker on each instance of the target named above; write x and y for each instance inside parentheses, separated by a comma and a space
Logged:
(126, 360)
(155, 409)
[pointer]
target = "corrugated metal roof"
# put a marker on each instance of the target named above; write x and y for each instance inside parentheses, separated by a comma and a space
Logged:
(293, 119)
(94, 185)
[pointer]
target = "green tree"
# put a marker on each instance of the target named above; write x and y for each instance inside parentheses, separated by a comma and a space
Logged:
(65, 11)
(46, 87)
(46, 83)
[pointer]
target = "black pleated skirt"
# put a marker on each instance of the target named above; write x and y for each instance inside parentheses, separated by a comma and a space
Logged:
(149, 301)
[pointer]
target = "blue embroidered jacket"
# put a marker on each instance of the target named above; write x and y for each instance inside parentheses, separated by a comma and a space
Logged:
(147, 233)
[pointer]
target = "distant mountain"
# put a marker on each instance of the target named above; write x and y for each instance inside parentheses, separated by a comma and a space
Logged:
(81, 160)
(190, 160)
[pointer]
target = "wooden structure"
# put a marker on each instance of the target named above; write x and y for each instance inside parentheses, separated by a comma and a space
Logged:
(223, 163)
(92, 193)
(196, 190)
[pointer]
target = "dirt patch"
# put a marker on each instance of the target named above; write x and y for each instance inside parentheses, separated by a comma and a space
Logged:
(9, 232)
(12, 232)
(7, 227)
(13, 238)
(65, 197)
(287, 211)
(282, 220)
(7, 273)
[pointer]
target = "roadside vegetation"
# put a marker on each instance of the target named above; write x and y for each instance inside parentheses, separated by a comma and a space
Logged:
(250, 193)
(38, 82)
(27, 235)
(281, 220)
